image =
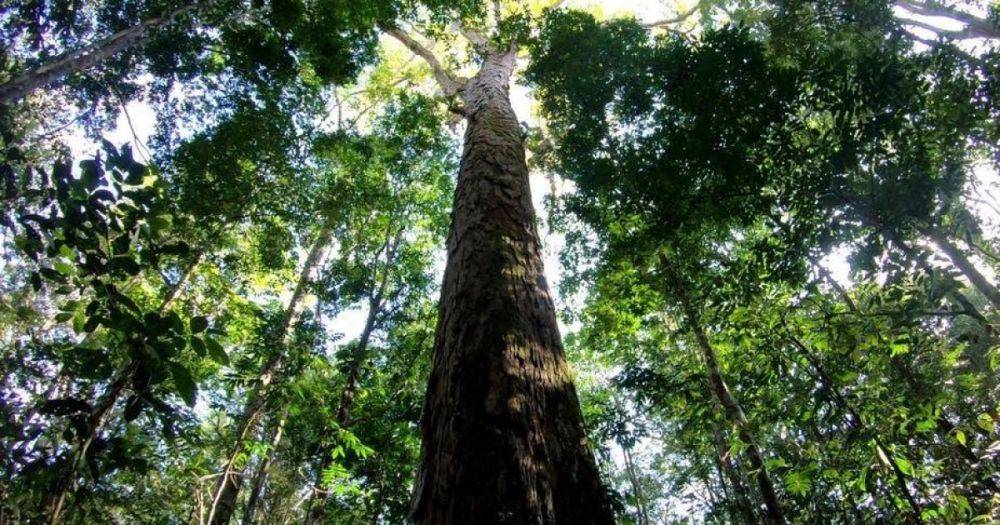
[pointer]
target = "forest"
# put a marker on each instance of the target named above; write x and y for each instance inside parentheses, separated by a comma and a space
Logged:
(519, 262)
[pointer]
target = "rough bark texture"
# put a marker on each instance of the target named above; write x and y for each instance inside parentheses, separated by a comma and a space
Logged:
(87, 57)
(231, 481)
(503, 436)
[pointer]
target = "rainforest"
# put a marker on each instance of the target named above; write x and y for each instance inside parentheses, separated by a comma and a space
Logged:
(512, 262)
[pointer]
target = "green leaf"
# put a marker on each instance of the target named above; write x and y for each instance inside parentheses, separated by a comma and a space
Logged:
(216, 352)
(960, 437)
(198, 324)
(797, 482)
(64, 267)
(985, 422)
(79, 320)
(198, 346)
(126, 264)
(184, 383)
(904, 466)
(160, 222)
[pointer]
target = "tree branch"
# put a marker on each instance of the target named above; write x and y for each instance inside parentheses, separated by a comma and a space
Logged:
(450, 84)
(479, 42)
(680, 16)
(976, 27)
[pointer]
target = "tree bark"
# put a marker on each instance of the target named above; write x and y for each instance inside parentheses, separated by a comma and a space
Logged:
(733, 410)
(975, 27)
(231, 481)
(88, 56)
(503, 436)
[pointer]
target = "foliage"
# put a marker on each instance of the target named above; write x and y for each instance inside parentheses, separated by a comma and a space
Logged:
(792, 198)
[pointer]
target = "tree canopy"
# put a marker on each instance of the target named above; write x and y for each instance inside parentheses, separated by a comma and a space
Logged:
(314, 292)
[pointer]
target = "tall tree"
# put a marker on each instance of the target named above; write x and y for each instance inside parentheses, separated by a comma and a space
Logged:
(503, 435)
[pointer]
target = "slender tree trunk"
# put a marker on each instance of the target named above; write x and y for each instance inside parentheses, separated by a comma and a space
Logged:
(316, 510)
(964, 265)
(316, 513)
(231, 481)
(955, 296)
(89, 56)
(640, 500)
(98, 416)
(503, 436)
(733, 410)
(260, 478)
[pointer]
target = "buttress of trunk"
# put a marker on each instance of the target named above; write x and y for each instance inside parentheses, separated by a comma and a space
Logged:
(87, 57)
(964, 265)
(733, 410)
(260, 478)
(503, 436)
(227, 490)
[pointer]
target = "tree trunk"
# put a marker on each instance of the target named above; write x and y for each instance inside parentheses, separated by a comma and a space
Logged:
(732, 407)
(642, 517)
(260, 478)
(724, 464)
(87, 57)
(316, 513)
(503, 436)
(964, 265)
(956, 296)
(231, 481)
